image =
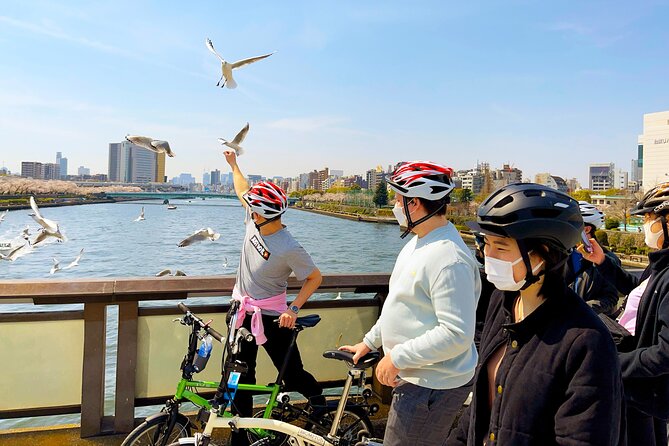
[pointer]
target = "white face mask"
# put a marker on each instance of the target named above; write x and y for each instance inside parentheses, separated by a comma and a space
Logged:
(500, 273)
(652, 238)
(400, 216)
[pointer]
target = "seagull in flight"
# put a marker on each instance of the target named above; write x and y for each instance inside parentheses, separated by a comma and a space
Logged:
(141, 215)
(13, 254)
(154, 145)
(75, 262)
(199, 236)
(225, 263)
(50, 228)
(235, 143)
(55, 267)
(3, 215)
(25, 234)
(227, 67)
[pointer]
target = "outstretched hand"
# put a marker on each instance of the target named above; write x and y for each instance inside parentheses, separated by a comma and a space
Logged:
(597, 255)
(231, 157)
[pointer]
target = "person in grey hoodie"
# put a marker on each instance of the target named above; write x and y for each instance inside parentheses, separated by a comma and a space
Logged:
(427, 324)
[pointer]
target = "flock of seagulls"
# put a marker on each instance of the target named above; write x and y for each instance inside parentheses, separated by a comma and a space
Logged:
(51, 229)
(48, 229)
(226, 80)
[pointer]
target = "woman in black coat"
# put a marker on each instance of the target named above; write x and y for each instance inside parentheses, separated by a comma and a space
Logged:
(644, 357)
(548, 371)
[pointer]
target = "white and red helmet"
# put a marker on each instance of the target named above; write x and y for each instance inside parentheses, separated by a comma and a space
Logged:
(591, 215)
(266, 199)
(422, 179)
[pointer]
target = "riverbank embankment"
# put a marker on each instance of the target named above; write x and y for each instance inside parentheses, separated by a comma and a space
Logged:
(628, 261)
(68, 202)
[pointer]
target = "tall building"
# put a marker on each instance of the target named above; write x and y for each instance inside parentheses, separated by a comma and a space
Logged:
(601, 176)
(32, 169)
(473, 180)
(129, 163)
(374, 177)
(215, 177)
(206, 179)
(620, 179)
(254, 179)
(51, 171)
(160, 168)
(62, 163)
(654, 142)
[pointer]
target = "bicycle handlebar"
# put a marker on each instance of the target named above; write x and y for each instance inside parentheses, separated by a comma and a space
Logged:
(216, 335)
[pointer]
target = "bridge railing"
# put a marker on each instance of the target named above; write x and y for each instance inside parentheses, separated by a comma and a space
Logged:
(56, 359)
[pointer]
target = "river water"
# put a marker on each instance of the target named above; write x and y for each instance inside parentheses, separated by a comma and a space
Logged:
(117, 246)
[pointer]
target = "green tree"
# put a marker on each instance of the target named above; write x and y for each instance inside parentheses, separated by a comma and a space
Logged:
(582, 195)
(381, 194)
(611, 223)
(356, 187)
(462, 195)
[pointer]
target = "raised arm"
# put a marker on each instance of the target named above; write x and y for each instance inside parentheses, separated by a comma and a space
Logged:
(241, 185)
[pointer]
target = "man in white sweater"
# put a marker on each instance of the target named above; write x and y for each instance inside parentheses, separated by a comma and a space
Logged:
(426, 327)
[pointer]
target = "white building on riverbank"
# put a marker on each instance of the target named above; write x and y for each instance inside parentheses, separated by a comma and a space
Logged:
(655, 143)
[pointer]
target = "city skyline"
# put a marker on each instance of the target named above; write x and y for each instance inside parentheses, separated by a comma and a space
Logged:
(542, 87)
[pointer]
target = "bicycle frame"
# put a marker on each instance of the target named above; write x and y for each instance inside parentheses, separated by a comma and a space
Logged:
(299, 436)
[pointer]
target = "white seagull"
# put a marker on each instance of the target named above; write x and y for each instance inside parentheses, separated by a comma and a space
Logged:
(13, 254)
(225, 263)
(235, 143)
(55, 267)
(75, 262)
(141, 215)
(25, 234)
(199, 236)
(165, 272)
(3, 215)
(50, 228)
(154, 145)
(227, 67)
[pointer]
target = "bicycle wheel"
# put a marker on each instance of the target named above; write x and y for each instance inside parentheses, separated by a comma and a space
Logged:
(352, 421)
(275, 438)
(152, 431)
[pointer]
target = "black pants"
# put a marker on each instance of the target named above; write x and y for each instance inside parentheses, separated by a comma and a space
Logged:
(644, 429)
(295, 378)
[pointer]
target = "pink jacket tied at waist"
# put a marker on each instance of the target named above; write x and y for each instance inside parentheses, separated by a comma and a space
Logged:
(248, 304)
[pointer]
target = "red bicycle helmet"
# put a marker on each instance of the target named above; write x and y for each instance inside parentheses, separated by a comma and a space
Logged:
(422, 179)
(266, 199)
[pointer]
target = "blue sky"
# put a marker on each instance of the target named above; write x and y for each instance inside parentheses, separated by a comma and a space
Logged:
(545, 86)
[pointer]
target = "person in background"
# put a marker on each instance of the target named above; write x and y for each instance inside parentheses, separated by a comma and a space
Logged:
(644, 357)
(548, 371)
(486, 288)
(427, 324)
(583, 276)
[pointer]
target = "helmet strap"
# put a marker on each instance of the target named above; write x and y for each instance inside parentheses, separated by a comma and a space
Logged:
(663, 220)
(530, 277)
(413, 224)
(269, 220)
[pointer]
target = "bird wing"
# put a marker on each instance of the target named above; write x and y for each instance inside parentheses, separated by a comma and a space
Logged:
(142, 213)
(75, 262)
(250, 60)
(195, 237)
(210, 46)
(55, 267)
(142, 141)
(222, 141)
(241, 135)
(162, 146)
(49, 225)
(179, 273)
(12, 254)
(40, 237)
(165, 272)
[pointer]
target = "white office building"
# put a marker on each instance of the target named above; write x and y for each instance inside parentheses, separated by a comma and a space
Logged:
(655, 146)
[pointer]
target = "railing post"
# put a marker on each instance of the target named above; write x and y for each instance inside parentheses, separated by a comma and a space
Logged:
(126, 363)
(93, 373)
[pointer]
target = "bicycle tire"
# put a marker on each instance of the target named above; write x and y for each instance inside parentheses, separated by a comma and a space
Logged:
(353, 420)
(149, 432)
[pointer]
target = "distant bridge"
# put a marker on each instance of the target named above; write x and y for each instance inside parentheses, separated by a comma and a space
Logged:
(176, 195)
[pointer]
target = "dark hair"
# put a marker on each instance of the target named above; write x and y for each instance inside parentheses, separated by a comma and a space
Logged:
(433, 205)
(555, 263)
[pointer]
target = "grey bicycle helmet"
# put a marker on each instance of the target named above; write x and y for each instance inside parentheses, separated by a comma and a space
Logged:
(529, 210)
(656, 200)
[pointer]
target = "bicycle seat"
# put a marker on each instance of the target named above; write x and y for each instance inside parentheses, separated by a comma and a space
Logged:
(369, 360)
(308, 321)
